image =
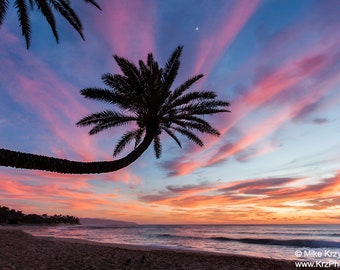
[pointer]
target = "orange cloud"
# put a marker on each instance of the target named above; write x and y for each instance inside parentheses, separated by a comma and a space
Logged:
(267, 200)
(253, 200)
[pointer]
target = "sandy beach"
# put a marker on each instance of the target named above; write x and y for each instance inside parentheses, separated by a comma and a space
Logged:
(20, 250)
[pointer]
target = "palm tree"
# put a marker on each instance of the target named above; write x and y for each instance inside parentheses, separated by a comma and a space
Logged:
(142, 95)
(46, 7)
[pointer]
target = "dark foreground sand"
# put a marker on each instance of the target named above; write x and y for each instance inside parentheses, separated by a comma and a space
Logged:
(19, 250)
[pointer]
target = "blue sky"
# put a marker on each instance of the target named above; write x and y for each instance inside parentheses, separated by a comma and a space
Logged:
(277, 159)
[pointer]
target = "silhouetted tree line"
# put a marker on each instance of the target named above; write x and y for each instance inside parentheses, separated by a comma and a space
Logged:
(11, 216)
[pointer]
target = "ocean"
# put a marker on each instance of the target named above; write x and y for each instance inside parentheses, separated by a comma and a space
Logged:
(290, 242)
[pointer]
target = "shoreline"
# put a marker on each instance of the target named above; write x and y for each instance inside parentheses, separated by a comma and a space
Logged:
(21, 250)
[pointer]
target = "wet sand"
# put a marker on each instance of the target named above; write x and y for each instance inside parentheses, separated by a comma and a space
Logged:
(20, 250)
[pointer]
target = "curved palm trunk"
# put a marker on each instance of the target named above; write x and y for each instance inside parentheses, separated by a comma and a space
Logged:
(21, 160)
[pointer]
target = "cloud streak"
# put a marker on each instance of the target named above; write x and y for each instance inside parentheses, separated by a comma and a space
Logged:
(133, 21)
(277, 86)
(256, 194)
(211, 49)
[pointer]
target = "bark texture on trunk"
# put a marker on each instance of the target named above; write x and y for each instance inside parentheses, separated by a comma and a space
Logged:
(22, 160)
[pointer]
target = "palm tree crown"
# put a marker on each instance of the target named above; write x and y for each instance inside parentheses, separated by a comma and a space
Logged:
(46, 7)
(143, 95)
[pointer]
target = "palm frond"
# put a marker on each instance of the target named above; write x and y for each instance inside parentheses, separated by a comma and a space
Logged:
(193, 122)
(31, 2)
(133, 95)
(115, 81)
(132, 84)
(172, 135)
(201, 128)
(125, 140)
(194, 119)
(48, 14)
(172, 65)
(24, 20)
(66, 5)
(93, 3)
(100, 94)
(183, 87)
(104, 120)
(103, 116)
(138, 137)
(114, 98)
(151, 64)
(118, 83)
(157, 146)
(207, 107)
(171, 68)
(128, 68)
(144, 70)
(190, 135)
(45, 7)
(3, 10)
(194, 96)
(68, 13)
(155, 94)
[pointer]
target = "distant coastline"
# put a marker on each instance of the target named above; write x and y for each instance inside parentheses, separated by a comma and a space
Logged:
(15, 217)
(10, 216)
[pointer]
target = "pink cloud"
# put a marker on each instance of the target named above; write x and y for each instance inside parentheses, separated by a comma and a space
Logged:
(276, 82)
(251, 153)
(19, 190)
(211, 47)
(76, 183)
(274, 192)
(57, 110)
(57, 103)
(279, 85)
(128, 27)
(66, 194)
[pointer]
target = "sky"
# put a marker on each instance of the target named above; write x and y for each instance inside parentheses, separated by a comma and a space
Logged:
(277, 160)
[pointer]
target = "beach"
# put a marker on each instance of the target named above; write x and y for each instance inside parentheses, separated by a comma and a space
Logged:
(20, 250)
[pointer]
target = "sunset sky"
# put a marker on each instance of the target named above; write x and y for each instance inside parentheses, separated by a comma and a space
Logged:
(277, 159)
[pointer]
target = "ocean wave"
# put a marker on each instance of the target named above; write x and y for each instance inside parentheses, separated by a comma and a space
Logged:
(278, 242)
(308, 243)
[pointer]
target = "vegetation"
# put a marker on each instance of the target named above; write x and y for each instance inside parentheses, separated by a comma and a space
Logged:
(11, 216)
(46, 7)
(141, 95)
